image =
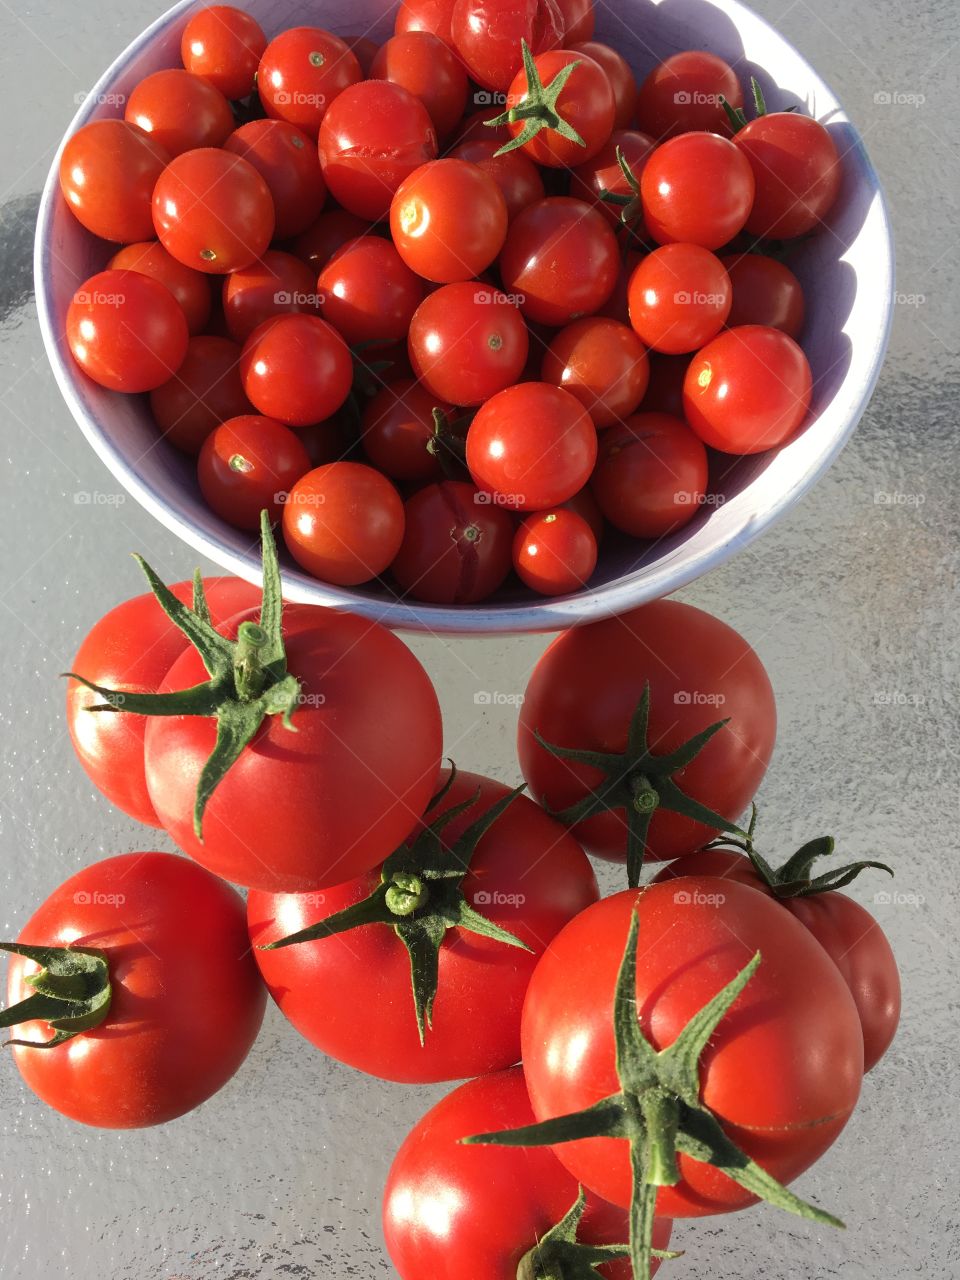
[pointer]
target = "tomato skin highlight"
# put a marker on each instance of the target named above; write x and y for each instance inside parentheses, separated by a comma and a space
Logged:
(302, 72)
(223, 46)
(554, 552)
(190, 288)
(180, 111)
(586, 103)
(467, 342)
(425, 15)
(679, 298)
(368, 293)
(697, 188)
(601, 362)
(487, 35)
(108, 171)
(247, 465)
(448, 220)
(297, 369)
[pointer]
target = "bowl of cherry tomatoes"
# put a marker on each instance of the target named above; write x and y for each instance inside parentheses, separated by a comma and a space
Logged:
(513, 316)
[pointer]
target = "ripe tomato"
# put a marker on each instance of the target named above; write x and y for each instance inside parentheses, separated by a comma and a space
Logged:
(397, 429)
(585, 692)
(213, 211)
(374, 136)
(517, 177)
(185, 999)
(585, 104)
(350, 994)
(126, 331)
(423, 63)
(532, 446)
(697, 188)
(601, 362)
(448, 220)
(343, 522)
(683, 94)
(603, 174)
(205, 391)
(499, 1202)
(797, 170)
(190, 288)
(456, 545)
(317, 245)
(579, 20)
(554, 552)
(748, 390)
(368, 292)
(247, 465)
(478, 125)
(108, 170)
(287, 161)
(296, 369)
(560, 259)
(584, 504)
(364, 50)
(303, 70)
(467, 342)
(765, 291)
(279, 284)
(224, 45)
(180, 111)
(618, 72)
(487, 35)
(651, 475)
(679, 298)
(425, 15)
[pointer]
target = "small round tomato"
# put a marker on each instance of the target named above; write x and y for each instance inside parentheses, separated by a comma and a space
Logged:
(213, 211)
(248, 465)
(224, 45)
(397, 429)
(579, 20)
(584, 504)
(364, 50)
(448, 220)
(180, 111)
(603, 174)
(456, 545)
(478, 125)
(206, 390)
(748, 390)
(765, 291)
(296, 369)
(618, 72)
(517, 177)
(560, 259)
(287, 161)
(683, 94)
(532, 446)
(797, 170)
(108, 171)
(554, 552)
(651, 475)
(697, 188)
(331, 231)
(368, 292)
(190, 288)
(679, 298)
(374, 136)
(585, 103)
(343, 523)
(425, 15)
(278, 284)
(303, 70)
(424, 64)
(467, 342)
(603, 363)
(487, 35)
(126, 331)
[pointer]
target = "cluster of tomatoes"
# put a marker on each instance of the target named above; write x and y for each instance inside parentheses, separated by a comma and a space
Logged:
(479, 295)
(421, 923)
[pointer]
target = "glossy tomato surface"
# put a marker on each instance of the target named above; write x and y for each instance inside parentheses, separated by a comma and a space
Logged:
(224, 45)
(369, 293)
(554, 552)
(586, 103)
(180, 111)
(277, 284)
(397, 429)
(797, 170)
(296, 368)
(126, 331)
(697, 188)
(448, 220)
(428, 67)
(108, 170)
(765, 291)
(248, 465)
(679, 298)
(190, 288)
(467, 342)
(302, 72)
(683, 94)
(601, 362)
(487, 35)
(287, 160)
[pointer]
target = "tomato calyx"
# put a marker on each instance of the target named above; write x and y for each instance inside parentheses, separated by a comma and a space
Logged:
(248, 676)
(659, 1112)
(640, 783)
(630, 206)
(420, 896)
(538, 108)
(448, 443)
(71, 993)
(737, 116)
(558, 1255)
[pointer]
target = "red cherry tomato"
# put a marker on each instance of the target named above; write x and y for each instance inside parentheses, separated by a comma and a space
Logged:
(364, 50)
(248, 465)
(224, 45)
(683, 94)
(554, 552)
(797, 170)
(206, 390)
(618, 72)
(296, 369)
(679, 298)
(748, 390)
(343, 523)
(126, 331)
(368, 292)
(579, 20)
(532, 445)
(279, 284)
(585, 103)
(456, 545)
(425, 15)
(448, 220)
(651, 475)
(584, 504)
(517, 177)
(425, 64)
(331, 231)
(766, 292)
(696, 188)
(476, 126)
(601, 362)
(560, 260)
(287, 161)
(467, 342)
(398, 427)
(603, 174)
(213, 211)
(487, 35)
(180, 111)
(107, 174)
(190, 288)
(302, 71)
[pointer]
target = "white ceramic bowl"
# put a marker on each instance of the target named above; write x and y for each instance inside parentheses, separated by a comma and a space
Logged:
(847, 273)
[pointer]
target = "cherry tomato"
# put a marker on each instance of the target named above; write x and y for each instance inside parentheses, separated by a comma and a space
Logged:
(618, 72)
(615, 307)
(517, 177)
(368, 292)
(224, 45)
(651, 475)
(601, 362)
(560, 259)
(579, 20)
(364, 50)
(456, 545)
(448, 220)
(748, 390)
(683, 94)
(279, 284)
(766, 292)
(797, 170)
(180, 111)
(467, 342)
(665, 389)
(107, 174)
(398, 427)
(331, 231)
(303, 70)
(476, 126)
(374, 136)
(603, 174)
(190, 288)
(343, 522)
(206, 390)
(554, 552)
(697, 188)
(487, 35)
(248, 465)
(425, 15)
(126, 331)
(423, 63)
(532, 445)
(296, 369)
(213, 211)
(679, 298)
(584, 504)
(585, 103)
(287, 161)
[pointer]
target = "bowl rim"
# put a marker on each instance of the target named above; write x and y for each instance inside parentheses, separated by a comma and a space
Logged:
(539, 614)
